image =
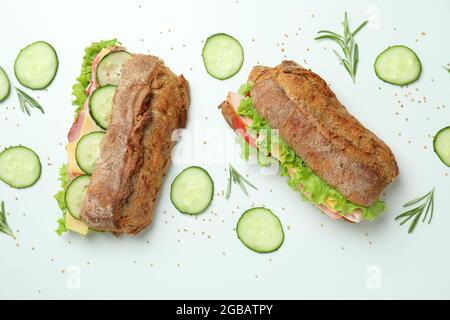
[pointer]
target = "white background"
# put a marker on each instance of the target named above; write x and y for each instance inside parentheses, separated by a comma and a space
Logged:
(185, 257)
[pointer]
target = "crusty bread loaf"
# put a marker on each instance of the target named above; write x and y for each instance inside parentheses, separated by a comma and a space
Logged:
(150, 103)
(309, 117)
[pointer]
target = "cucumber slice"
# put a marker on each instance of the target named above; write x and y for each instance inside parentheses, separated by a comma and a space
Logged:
(263, 160)
(109, 70)
(223, 56)
(4, 85)
(398, 65)
(100, 105)
(75, 194)
(260, 230)
(36, 65)
(192, 191)
(20, 167)
(441, 145)
(87, 152)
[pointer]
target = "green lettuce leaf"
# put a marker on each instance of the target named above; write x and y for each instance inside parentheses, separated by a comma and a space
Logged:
(79, 88)
(59, 196)
(317, 190)
(244, 90)
(61, 226)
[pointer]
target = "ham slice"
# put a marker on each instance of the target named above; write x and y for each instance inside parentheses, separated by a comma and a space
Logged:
(235, 100)
(355, 216)
(75, 130)
(331, 213)
(240, 123)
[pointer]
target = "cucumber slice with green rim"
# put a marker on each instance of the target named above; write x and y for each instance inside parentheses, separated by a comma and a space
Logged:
(75, 194)
(100, 105)
(4, 85)
(398, 65)
(223, 56)
(87, 152)
(109, 69)
(192, 191)
(20, 167)
(36, 65)
(260, 230)
(441, 145)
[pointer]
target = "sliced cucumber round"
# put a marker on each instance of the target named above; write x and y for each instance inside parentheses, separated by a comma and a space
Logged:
(223, 56)
(398, 65)
(20, 167)
(100, 105)
(4, 85)
(75, 194)
(260, 230)
(87, 152)
(36, 65)
(192, 191)
(109, 70)
(441, 145)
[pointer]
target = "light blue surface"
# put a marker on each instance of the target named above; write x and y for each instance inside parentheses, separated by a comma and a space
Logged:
(186, 257)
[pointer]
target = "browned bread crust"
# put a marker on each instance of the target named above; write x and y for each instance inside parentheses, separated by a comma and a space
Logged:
(309, 117)
(150, 103)
(228, 113)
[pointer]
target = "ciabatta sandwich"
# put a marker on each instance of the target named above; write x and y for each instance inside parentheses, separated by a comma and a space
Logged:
(120, 144)
(327, 154)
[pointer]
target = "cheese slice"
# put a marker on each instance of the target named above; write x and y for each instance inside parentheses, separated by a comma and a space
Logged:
(88, 126)
(76, 225)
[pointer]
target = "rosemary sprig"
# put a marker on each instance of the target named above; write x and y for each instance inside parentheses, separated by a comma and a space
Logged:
(447, 69)
(426, 210)
(26, 102)
(348, 45)
(236, 177)
(3, 223)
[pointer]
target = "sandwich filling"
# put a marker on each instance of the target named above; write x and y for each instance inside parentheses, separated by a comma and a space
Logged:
(256, 133)
(83, 124)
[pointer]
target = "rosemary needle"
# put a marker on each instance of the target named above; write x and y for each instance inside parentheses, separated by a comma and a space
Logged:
(424, 211)
(236, 177)
(348, 45)
(27, 101)
(4, 227)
